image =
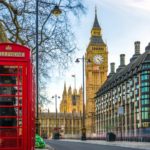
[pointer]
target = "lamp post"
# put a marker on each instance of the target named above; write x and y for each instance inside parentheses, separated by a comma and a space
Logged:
(37, 85)
(56, 96)
(83, 136)
(56, 11)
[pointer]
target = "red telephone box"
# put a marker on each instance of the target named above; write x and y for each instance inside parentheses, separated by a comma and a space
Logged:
(17, 103)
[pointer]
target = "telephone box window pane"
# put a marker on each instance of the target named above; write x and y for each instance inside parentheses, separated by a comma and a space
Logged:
(8, 69)
(8, 121)
(7, 100)
(8, 90)
(11, 106)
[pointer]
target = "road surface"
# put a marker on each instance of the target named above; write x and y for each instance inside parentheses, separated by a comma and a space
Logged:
(68, 145)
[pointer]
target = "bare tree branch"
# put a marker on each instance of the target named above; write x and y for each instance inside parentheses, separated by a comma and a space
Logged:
(56, 39)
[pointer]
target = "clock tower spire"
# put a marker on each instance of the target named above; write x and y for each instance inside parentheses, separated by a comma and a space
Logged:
(96, 71)
(96, 30)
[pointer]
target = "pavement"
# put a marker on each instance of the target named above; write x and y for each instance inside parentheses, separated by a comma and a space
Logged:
(137, 145)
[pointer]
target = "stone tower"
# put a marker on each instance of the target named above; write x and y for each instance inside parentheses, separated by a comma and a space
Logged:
(96, 72)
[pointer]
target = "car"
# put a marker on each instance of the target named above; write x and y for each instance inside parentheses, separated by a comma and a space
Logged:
(39, 142)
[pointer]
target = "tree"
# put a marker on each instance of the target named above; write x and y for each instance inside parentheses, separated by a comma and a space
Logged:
(56, 39)
(3, 37)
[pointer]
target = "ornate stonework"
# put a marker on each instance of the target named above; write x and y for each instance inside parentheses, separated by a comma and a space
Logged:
(71, 100)
(96, 72)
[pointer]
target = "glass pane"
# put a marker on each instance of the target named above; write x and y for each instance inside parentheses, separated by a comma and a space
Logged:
(8, 69)
(8, 117)
(10, 106)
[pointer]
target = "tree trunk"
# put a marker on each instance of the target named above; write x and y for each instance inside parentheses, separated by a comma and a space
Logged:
(3, 36)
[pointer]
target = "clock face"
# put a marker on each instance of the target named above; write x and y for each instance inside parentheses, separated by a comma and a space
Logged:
(98, 59)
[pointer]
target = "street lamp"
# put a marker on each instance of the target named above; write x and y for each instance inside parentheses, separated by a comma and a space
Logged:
(56, 11)
(83, 136)
(56, 96)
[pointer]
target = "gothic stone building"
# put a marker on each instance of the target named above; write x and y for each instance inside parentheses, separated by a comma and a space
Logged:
(68, 120)
(69, 124)
(71, 100)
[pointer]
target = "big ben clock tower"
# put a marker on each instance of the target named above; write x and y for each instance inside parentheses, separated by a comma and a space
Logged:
(96, 72)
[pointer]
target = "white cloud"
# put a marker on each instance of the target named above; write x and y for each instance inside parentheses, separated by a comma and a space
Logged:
(139, 6)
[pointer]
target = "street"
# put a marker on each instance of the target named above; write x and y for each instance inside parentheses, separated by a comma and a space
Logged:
(68, 145)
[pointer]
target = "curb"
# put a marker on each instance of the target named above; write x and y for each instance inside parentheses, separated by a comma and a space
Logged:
(49, 147)
(46, 148)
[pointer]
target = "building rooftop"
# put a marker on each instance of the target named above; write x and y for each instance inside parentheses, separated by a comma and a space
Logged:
(96, 40)
(129, 70)
(96, 23)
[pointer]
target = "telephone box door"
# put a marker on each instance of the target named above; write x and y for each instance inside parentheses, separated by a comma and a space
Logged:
(13, 105)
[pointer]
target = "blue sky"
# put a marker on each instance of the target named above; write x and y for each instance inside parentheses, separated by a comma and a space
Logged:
(122, 21)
